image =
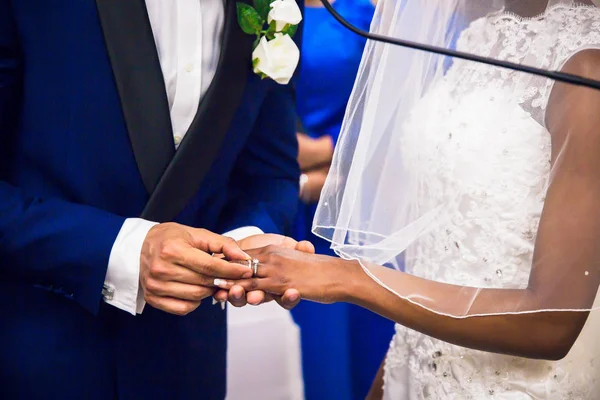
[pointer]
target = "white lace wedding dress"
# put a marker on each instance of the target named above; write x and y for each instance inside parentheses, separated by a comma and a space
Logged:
(469, 119)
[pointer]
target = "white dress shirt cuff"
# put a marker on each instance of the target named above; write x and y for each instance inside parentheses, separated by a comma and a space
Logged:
(121, 285)
(243, 232)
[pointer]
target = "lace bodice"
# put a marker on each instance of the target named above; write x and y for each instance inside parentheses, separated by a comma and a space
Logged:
(490, 147)
(566, 30)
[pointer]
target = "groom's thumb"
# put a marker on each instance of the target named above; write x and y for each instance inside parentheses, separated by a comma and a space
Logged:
(306, 247)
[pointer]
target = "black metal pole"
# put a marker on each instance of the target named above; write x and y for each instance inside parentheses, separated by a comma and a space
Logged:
(556, 75)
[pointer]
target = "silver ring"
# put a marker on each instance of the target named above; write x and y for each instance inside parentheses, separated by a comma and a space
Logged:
(254, 266)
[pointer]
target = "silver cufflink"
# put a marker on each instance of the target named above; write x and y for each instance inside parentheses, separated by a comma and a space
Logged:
(108, 293)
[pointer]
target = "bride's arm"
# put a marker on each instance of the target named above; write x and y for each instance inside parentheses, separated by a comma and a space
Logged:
(566, 262)
(565, 273)
(376, 391)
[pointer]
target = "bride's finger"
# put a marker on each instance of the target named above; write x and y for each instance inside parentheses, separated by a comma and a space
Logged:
(263, 270)
(268, 298)
(289, 299)
(249, 285)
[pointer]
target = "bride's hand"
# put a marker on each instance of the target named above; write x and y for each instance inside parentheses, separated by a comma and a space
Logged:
(238, 297)
(267, 239)
(317, 278)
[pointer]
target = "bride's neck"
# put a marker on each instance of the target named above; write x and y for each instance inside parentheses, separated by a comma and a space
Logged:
(533, 8)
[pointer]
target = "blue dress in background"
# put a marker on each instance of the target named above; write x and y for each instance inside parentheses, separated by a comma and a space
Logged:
(342, 345)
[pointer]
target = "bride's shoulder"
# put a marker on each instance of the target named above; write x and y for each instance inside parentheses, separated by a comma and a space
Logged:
(573, 109)
(576, 20)
(585, 63)
(574, 25)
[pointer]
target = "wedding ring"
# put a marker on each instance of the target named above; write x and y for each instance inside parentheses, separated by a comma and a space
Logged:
(254, 265)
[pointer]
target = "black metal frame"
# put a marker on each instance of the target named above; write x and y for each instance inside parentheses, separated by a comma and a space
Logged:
(556, 75)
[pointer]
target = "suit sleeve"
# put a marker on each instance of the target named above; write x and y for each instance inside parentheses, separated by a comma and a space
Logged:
(60, 246)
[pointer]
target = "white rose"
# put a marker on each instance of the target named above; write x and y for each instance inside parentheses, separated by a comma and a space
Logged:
(284, 12)
(276, 58)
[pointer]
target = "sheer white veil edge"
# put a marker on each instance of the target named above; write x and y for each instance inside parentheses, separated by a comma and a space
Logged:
(380, 205)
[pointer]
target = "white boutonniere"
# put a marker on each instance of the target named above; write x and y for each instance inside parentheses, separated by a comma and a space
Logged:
(274, 23)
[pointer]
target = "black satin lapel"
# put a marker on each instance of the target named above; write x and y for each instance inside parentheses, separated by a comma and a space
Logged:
(203, 141)
(140, 83)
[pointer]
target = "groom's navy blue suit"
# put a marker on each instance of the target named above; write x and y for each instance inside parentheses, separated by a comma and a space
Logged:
(86, 142)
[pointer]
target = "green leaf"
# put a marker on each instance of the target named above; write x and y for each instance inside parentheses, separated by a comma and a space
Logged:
(290, 30)
(249, 20)
(255, 63)
(271, 31)
(263, 7)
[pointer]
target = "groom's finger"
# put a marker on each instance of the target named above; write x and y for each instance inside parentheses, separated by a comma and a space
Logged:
(205, 264)
(177, 273)
(305, 246)
(171, 305)
(221, 295)
(177, 290)
(255, 297)
(210, 242)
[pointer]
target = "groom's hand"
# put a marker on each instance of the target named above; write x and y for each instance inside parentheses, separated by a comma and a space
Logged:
(239, 298)
(177, 270)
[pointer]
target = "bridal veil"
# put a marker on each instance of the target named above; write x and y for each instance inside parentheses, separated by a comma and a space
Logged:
(379, 200)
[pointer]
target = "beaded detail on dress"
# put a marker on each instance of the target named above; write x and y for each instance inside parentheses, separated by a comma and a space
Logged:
(472, 117)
